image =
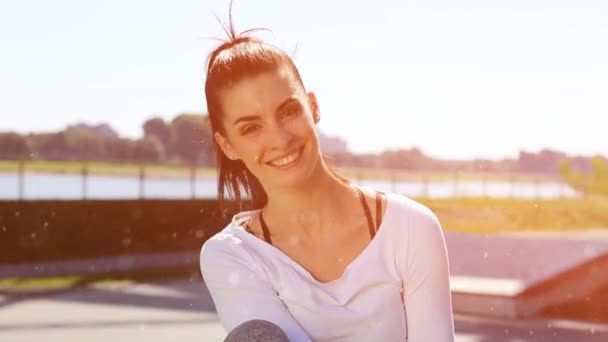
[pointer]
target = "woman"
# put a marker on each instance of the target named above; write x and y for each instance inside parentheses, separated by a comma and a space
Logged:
(317, 257)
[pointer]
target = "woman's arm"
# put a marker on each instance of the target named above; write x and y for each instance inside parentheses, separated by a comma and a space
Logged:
(425, 273)
(239, 293)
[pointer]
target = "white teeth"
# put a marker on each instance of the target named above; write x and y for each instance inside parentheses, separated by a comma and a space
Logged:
(286, 160)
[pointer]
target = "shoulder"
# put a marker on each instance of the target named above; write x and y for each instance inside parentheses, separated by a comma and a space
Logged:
(410, 211)
(233, 255)
(402, 208)
(227, 248)
(417, 236)
(412, 224)
(225, 241)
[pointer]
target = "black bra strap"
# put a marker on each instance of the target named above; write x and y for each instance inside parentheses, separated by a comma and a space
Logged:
(378, 209)
(368, 214)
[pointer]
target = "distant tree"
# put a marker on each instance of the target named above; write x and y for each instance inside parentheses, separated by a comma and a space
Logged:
(148, 149)
(157, 127)
(332, 145)
(345, 159)
(546, 161)
(49, 146)
(102, 130)
(411, 159)
(398, 159)
(118, 150)
(85, 144)
(14, 147)
(594, 182)
(190, 138)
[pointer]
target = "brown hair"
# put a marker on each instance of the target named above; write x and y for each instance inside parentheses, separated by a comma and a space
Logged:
(240, 56)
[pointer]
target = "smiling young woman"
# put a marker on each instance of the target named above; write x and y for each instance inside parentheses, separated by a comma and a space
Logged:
(317, 258)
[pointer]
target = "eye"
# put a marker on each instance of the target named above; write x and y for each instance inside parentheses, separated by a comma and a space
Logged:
(291, 110)
(248, 129)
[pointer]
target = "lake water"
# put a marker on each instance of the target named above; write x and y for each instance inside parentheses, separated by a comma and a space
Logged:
(71, 186)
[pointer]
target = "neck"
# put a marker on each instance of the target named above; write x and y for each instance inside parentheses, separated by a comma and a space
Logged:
(311, 208)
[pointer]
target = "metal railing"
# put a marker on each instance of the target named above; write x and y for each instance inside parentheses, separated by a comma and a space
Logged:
(420, 184)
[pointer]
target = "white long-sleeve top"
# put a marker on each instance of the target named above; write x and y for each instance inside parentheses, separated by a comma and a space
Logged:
(397, 289)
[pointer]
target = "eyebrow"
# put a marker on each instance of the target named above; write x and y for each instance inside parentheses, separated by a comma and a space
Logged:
(245, 118)
(286, 103)
(256, 117)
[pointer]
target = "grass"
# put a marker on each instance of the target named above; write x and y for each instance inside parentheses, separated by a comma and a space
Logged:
(28, 284)
(403, 175)
(12, 285)
(167, 170)
(102, 168)
(492, 215)
(37, 283)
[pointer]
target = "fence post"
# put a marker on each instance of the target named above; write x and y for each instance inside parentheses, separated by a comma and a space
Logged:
(425, 187)
(192, 180)
(21, 179)
(456, 189)
(142, 176)
(84, 173)
(511, 184)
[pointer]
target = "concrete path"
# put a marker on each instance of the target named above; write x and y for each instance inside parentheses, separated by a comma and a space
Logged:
(169, 311)
(183, 311)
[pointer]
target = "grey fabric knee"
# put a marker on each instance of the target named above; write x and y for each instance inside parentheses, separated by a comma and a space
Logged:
(257, 330)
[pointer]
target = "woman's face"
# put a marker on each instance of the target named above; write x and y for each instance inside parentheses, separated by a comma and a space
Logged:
(269, 124)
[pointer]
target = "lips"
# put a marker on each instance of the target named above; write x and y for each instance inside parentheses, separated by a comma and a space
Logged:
(286, 160)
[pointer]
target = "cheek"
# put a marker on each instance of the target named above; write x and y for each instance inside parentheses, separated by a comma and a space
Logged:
(303, 127)
(250, 152)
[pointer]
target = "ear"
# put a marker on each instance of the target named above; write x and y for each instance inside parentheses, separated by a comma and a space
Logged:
(225, 146)
(314, 106)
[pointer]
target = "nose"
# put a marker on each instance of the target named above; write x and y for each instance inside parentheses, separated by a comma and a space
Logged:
(280, 136)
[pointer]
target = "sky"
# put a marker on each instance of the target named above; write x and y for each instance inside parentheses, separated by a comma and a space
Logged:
(456, 79)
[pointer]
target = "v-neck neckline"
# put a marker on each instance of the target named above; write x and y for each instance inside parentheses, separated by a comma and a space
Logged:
(240, 218)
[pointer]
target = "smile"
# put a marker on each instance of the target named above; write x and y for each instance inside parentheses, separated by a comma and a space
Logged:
(287, 160)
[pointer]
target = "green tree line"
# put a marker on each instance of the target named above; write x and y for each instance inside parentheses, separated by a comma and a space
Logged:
(592, 182)
(185, 139)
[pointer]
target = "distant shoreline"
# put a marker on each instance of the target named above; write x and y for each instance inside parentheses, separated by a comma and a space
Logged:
(183, 171)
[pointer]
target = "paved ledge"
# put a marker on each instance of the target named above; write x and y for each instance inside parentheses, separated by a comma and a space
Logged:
(105, 265)
(487, 286)
(515, 276)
